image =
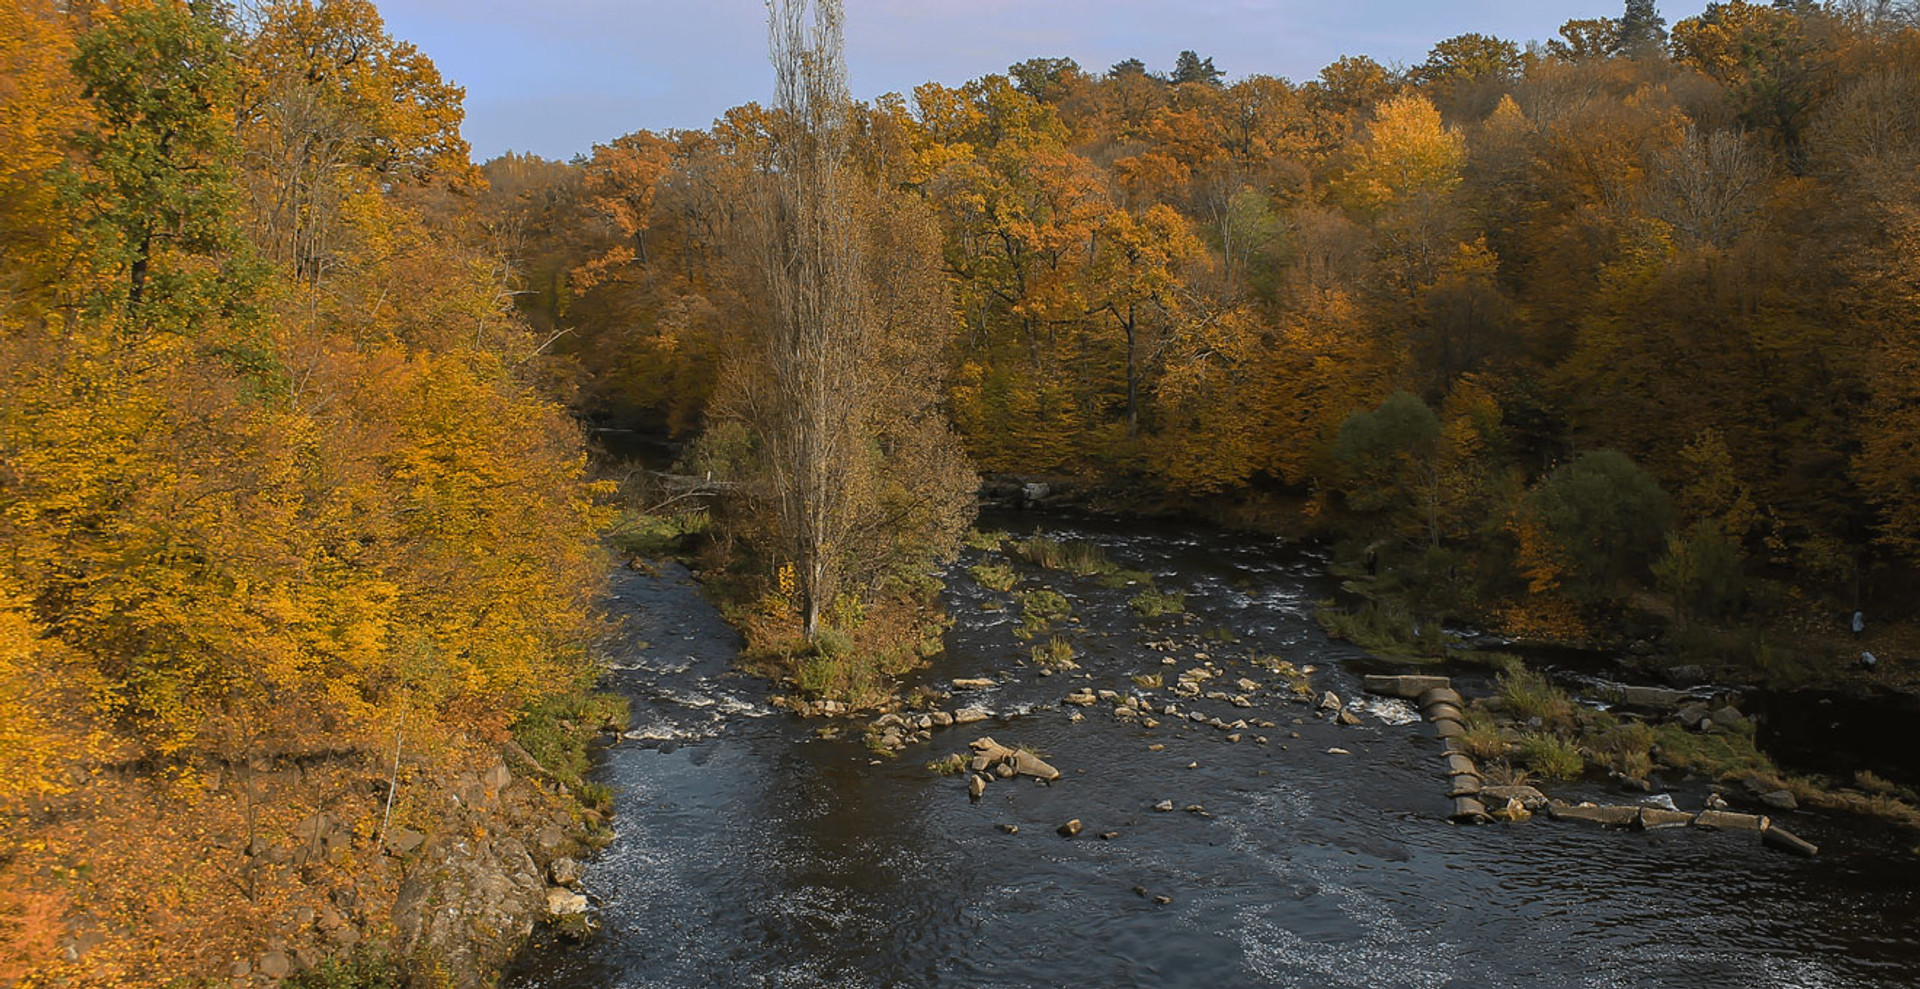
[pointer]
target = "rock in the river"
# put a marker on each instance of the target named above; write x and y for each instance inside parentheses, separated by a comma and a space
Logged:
(1780, 800)
(941, 719)
(1028, 764)
(1458, 765)
(1070, 828)
(1511, 810)
(1347, 718)
(1005, 771)
(975, 683)
(1653, 818)
(1336, 750)
(1721, 820)
(1465, 786)
(1405, 687)
(1164, 806)
(1652, 698)
(1010, 828)
(1612, 816)
(1083, 697)
(1469, 810)
(1776, 836)
(976, 785)
(1448, 728)
(1443, 711)
(1529, 797)
(562, 902)
(1439, 695)
(969, 715)
(1330, 701)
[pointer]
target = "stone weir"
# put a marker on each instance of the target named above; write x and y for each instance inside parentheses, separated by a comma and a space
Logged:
(1474, 802)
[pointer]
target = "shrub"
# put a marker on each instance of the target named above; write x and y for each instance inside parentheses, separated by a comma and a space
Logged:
(1044, 606)
(1076, 557)
(1551, 756)
(1056, 653)
(1482, 740)
(1530, 695)
(994, 576)
(1605, 517)
(985, 542)
(1153, 604)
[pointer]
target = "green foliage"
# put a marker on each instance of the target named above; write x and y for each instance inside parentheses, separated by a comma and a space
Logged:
(1605, 516)
(1386, 456)
(1701, 571)
(657, 536)
(985, 542)
(1528, 695)
(1044, 606)
(951, 765)
(359, 969)
(555, 731)
(1055, 653)
(1124, 578)
(994, 576)
(1078, 557)
(1482, 739)
(1627, 746)
(1550, 756)
(1155, 604)
(1386, 630)
(1714, 754)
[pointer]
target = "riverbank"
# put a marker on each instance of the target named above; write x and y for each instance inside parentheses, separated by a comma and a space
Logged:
(750, 844)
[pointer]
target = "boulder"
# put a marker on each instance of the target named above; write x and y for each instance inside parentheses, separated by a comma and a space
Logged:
(1560, 810)
(402, 841)
(1529, 797)
(1028, 764)
(1347, 718)
(1443, 711)
(1720, 820)
(976, 683)
(1005, 771)
(563, 902)
(1330, 701)
(1082, 698)
(976, 785)
(1406, 687)
(1164, 806)
(1780, 800)
(275, 965)
(1729, 717)
(1439, 695)
(1786, 841)
(1653, 818)
(941, 719)
(1652, 698)
(1692, 714)
(970, 715)
(1468, 810)
(497, 777)
(565, 871)
(1511, 811)
(1070, 828)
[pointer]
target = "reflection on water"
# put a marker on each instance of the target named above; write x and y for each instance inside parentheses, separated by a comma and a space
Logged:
(749, 853)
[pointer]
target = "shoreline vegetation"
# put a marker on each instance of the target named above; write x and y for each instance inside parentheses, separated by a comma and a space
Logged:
(1603, 341)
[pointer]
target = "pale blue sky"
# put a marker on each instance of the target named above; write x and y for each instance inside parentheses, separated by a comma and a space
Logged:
(556, 76)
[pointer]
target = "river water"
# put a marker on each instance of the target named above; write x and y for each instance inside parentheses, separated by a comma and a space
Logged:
(749, 852)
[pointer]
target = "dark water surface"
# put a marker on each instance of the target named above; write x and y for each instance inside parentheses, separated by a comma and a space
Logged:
(750, 853)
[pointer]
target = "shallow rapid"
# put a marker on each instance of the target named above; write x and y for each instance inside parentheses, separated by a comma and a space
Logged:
(750, 852)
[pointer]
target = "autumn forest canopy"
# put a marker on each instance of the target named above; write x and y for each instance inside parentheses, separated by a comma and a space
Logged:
(296, 502)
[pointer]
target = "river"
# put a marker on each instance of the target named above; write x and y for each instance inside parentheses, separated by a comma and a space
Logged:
(748, 852)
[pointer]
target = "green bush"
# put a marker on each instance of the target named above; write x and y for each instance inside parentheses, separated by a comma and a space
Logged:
(994, 576)
(1551, 756)
(1606, 516)
(1153, 604)
(1043, 606)
(556, 730)
(1078, 557)
(1529, 695)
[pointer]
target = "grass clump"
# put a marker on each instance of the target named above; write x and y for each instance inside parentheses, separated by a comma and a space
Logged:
(1716, 755)
(994, 576)
(1039, 610)
(1077, 557)
(985, 542)
(1626, 746)
(1528, 695)
(1055, 653)
(1148, 681)
(1551, 756)
(555, 732)
(1124, 578)
(1387, 631)
(952, 765)
(1153, 603)
(361, 969)
(1482, 739)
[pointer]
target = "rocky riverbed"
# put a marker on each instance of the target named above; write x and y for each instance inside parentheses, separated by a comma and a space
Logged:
(1230, 808)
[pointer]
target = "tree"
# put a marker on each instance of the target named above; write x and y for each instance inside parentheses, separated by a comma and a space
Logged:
(1642, 30)
(1190, 67)
(1605, 518)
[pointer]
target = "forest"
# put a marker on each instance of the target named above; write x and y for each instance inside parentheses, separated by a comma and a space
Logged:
(1607, 337)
